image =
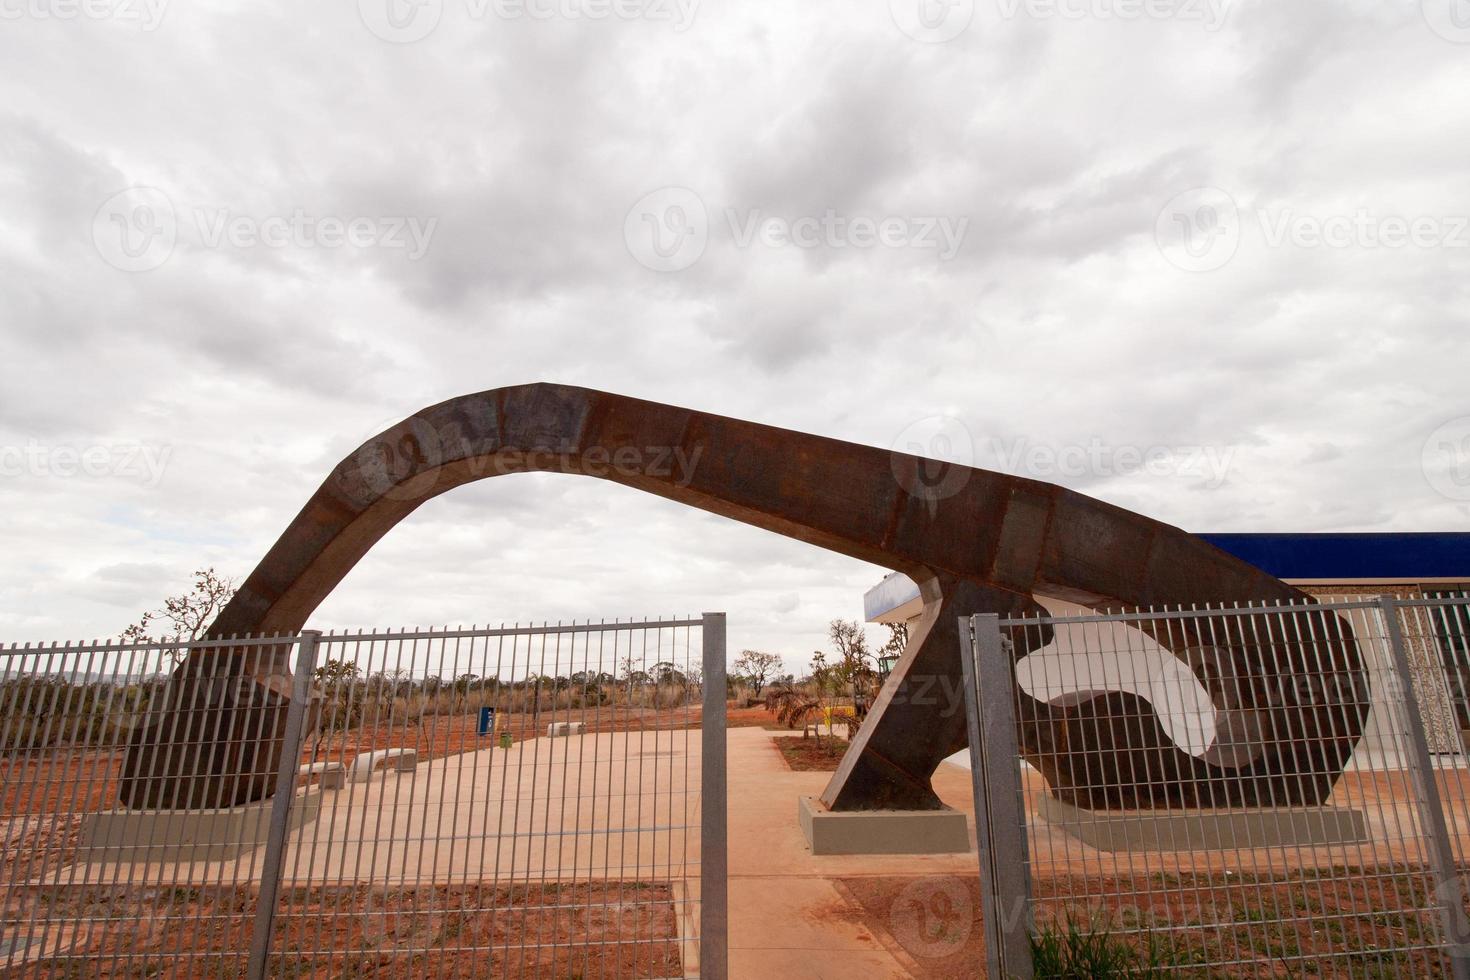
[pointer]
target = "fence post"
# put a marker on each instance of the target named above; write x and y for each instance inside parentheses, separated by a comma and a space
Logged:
(1000, 817)
(1431, 807)
(270, 874)
(713, 855)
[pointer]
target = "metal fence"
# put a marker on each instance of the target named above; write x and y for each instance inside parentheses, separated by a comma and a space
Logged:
(1312, 873)
(526, 801)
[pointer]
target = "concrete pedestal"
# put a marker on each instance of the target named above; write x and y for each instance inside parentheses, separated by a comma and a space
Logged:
(187, 835)
(1205, 830)
(882, 831)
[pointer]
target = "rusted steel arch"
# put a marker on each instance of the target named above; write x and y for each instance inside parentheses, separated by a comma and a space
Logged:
(974, 540)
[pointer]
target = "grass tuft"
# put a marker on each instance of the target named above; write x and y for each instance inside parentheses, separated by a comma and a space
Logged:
(1091, 950)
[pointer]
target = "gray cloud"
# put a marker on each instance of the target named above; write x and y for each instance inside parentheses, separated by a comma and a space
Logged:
(1314, 373)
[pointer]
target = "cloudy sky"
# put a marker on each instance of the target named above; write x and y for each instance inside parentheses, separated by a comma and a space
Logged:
(1206, 260)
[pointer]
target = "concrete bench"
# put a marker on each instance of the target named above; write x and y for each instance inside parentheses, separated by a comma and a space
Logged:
(564, 728)
(333, 774)
(362, 768)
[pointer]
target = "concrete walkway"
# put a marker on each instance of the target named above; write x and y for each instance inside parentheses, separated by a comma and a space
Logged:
(789, 917)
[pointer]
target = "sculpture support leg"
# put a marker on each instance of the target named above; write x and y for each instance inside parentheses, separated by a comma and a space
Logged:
(919, 717)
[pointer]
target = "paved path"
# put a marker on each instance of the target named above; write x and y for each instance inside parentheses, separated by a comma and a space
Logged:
(788, 916)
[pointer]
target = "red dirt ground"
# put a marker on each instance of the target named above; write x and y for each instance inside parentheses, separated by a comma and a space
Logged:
(622, 929)
(1279, 926)
(811, 754)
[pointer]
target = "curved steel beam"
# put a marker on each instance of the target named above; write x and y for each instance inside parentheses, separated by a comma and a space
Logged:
(974, 540)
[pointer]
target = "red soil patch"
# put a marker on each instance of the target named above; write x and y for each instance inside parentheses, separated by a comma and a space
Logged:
(68, 779)
(1359, 922)
(812, 754)
(540, 930)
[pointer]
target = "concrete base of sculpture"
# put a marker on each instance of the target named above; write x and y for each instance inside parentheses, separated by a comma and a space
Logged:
(175, 836)
(1206, 830)
(882, 831)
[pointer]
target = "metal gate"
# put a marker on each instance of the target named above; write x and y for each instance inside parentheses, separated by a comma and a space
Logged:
(540, 801)
(1368, 882)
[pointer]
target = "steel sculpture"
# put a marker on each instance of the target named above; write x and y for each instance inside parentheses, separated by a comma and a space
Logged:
(1289, 704)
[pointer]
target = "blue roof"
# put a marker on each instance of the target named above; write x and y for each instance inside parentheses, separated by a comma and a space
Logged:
(1352, 556)
(1365, 557)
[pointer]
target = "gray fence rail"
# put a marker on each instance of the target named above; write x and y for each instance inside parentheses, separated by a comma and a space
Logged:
(526, 801)
(1366, 880)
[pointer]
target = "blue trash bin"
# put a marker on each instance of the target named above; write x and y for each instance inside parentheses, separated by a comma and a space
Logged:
(487, 721)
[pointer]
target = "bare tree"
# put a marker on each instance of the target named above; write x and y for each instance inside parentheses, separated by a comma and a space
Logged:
(898, 638)
(850, 641)
(187, 616)
(757, 668)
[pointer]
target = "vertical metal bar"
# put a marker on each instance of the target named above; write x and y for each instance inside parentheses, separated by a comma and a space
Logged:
(270, 874)
(713, 856)
(995, 770)
(1431, 808)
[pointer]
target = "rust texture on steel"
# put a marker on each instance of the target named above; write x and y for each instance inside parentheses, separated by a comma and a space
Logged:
(975, 541)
